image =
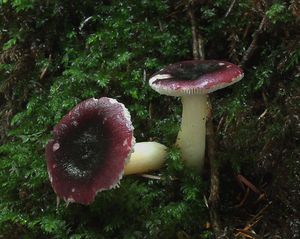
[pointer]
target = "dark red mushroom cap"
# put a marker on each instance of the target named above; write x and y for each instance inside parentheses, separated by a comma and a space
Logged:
(89, 149)
(195, 77)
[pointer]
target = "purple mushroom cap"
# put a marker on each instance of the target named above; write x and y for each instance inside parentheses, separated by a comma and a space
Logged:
(195, 77)
(89, 149)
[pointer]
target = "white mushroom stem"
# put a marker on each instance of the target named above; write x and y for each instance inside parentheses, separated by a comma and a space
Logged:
(147, 156)
(191, 137)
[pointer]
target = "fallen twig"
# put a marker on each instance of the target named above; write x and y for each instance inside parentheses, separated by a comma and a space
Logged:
(253, 44)
(151, 176)
(213, 200)
(263, 114)
(246, 182)
(244, 199)
(230, 8)
(191, 15)
(247, 228)
(259, 214)
(247, 234)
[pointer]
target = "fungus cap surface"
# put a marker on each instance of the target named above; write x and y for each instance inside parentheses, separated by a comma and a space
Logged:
(89, 149)
(195, 77)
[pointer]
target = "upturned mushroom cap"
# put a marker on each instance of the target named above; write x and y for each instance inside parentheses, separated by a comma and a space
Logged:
(89, 149)
(195, 77)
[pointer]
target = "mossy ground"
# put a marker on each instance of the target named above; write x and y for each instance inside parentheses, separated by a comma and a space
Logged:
(58, 53)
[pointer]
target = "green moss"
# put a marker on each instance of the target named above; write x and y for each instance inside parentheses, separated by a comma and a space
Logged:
(57, 53)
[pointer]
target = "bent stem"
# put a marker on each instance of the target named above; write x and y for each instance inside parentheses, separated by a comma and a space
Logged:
(147, 156)
(191, 137)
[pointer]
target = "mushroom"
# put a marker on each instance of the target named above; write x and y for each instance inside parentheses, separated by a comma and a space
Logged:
(91, 146)
(192, 81)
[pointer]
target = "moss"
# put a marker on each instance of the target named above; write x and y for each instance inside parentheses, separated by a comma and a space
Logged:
(57, 53)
